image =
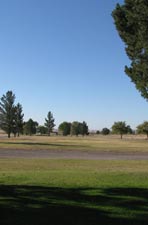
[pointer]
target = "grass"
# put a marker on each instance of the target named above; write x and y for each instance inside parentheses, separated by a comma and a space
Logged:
(77, 192)
(92, 143)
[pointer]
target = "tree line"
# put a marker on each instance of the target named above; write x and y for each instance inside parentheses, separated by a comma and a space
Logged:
(11, 118)
(11, 121)
(121, 128)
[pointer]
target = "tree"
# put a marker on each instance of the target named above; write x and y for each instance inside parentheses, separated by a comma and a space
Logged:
(129, 130)
(105, 131)
(143, 128)
(131, 21)
(49, 122)
(42, 130)
(83, 128)
(75, 128)
(79, 128)
(120, 128)
(30, 127)
(7, 112)
(18, 120)
(97, 132)
(64, 128)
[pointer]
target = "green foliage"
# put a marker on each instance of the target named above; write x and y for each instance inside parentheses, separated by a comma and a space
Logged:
(129, 130)
(75, 128)
(79, 128)
(49, 122)
(83, 128)
(30, 127)
(7, 112)
(42, 130)
(143, 128)
(105, 131)
(120, 128)
(131, 20)
(97, 132)
(18, 120)
(11, 116)
(64, 128)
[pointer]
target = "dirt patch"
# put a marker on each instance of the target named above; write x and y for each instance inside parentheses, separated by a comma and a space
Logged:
(72, 154)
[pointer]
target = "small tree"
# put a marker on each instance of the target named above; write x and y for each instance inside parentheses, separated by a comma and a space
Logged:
(120, 128)
(129, 130)
(83, 128)
(105, 131)
(42, 130)
(97, 132)
(64, 128)
(7, 112)
(30, 127)
(75, 128)
(49, 122)
(143, 128)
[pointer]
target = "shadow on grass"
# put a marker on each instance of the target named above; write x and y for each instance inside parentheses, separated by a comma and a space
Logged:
(41, 144)
(32, 205)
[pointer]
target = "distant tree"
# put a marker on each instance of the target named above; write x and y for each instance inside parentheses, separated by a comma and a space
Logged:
(79, 128)
(30, 127)
(143, 128)
(75, 128)
(105, 131)
(42, 130)
(131, 21)
(83, 128)
(129, 130)
(7, 112)
(18, 120)
(49, 122)
(120, 128)
(97, 132)
(64, 128)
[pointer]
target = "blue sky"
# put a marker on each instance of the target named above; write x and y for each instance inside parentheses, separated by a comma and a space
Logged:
(66, 57)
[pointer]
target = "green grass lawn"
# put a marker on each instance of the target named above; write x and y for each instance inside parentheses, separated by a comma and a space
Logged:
(77, 192)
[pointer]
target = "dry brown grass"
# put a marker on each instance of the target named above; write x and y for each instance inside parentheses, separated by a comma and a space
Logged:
(130, 143)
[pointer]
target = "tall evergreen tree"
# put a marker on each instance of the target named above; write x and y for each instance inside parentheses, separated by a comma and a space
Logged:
(19, 119)
(131, 21)
(49, 122)
(7, 112)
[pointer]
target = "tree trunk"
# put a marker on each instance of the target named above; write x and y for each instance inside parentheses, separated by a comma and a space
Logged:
(9, 135)
(121, 136)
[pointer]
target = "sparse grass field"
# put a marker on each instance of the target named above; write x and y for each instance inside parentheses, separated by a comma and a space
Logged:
(77, 192)
(96, 143)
